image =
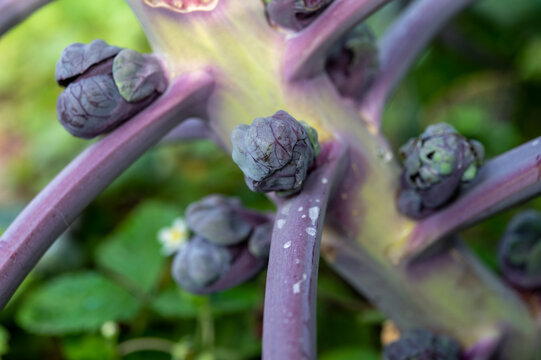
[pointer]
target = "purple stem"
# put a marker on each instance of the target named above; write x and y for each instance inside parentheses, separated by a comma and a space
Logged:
(63, 199)
(484, 349)
(289, 321)
(507, 180)
(13, 12)
(191, 129)
(306, 53)
(244, 267)
(402, 44)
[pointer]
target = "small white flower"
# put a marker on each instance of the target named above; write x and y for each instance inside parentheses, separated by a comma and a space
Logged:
(109, 329)
(173, 237)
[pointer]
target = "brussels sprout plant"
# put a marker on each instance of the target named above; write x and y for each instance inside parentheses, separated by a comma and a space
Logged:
(294, 90)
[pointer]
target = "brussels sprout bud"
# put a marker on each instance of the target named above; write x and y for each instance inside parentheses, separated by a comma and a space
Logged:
(275, 153)
(422, 345)
(200, 263)
(260, 240)
(86, 106)
(520, 250)
(76, 59)
(137, 76)
(91, 104)
(354, 62)
(295, 14)
(436, 164)
(217, 218)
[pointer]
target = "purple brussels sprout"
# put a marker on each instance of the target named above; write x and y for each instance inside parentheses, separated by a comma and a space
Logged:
(200, 263)
(230, 245)
(421, 344)
(354, 62)
(520, 251)
(295, 14)
(105, 86)
(260, 240)
(435, 165)
(275, 153)
(77, 59)
(218, 219)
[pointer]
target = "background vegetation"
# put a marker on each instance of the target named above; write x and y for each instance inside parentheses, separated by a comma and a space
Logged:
(104, 290)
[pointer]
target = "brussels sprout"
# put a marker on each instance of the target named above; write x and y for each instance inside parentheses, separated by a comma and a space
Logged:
(295, 14)
(217, 218)
(200, 263)
(520, 250)
(137, 76)
(260, 240)
(354, 62)
(78, 58)
(435, 165)
(86, 106)
(91, 104)
(421, 344)
(275, 153)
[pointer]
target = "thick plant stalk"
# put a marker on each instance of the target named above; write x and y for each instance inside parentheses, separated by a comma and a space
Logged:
(306, 53)
(289, 322)
(12, 12)
(60, 202)
(403, 42)
(407, 292)
(507, 180)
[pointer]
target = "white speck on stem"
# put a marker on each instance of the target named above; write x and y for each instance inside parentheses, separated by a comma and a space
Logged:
(285, 209)
(287, 245)
(311, 231)
(317, 200)
(297, 261)
(297, 285)
(303, 216)
(313, 212)
(535, 142)
(324, 180)
(300, 209)
(280, 223)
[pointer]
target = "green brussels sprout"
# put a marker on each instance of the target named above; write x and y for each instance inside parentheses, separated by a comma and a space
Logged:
(435, 165)
(137, 76)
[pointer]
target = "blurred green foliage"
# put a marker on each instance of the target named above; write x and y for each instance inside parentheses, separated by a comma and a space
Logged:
(75, 302)
(482, 75)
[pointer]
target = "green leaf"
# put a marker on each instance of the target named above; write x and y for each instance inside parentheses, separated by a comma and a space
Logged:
(4, 341)
(351, 354)
(529, 60)
(244, 297)
(176, 303)
(505, 13)
(133, 251)
(75, 302)
(87, 348)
